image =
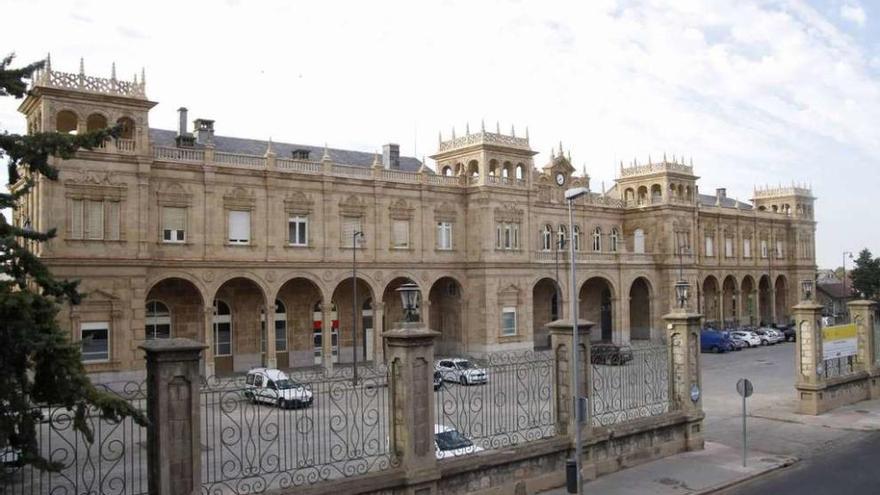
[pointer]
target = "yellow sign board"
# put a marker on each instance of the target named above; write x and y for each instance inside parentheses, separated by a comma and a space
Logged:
(839, 341)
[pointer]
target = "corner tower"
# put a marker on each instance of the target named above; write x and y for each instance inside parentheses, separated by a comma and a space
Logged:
(793, 201)
(657, 182)
(483, 157)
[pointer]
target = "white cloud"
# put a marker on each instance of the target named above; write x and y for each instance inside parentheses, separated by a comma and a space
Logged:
(756, 92)
(854, 13)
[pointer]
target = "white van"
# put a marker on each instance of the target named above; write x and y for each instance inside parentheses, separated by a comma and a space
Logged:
(273, 386)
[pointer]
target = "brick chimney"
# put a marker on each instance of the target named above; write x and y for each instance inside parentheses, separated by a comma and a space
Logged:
(183, 137)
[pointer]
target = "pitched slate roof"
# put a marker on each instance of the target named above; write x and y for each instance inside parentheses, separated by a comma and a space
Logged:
(709, 200)
(162, 137)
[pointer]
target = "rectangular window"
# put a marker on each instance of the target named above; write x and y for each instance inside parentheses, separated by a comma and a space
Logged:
(94, 220)
(728, 247)
(508, 321)
(350, 225)
(76, 219)
(173, 224)
(239, 227)
(747, 248)
(280, 336)
(95, 341)
(779, 249)
(508, 236)
(764, 248)
(710, 246)
(113, 220)
(400, 234)
(298, 231)
(515, 230)
(444, 235)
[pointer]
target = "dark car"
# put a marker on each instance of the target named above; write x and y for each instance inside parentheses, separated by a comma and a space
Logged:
(438, 380)
(788, 331)
(610, 353)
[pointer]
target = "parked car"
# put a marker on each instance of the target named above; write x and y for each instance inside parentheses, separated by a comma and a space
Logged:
(273, 386)
(738, 343)
(777, 334)
(747, 336)
(788, 332)
(10, 456)
(461, 371)
(610, 353)
(438, 380)
(766, 338)
(449, 442)
(712, 341)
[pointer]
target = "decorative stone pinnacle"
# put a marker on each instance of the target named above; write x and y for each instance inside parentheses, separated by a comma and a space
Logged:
(377, 161)
(482, 125)
(135, 79)
(512, 131)
(527, 133)
(664, 157)
(467, 128)
(649, 160)
(113, 71)
(439, 137)
(326, 157)
(82, 67)
(453, 132)
(48, 62)
(269, 150)
(143, 76)
(497, 127)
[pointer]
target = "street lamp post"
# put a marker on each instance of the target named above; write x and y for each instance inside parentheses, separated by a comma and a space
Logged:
(845, 293)
(560, 244)
(354, 305)
(571, 195)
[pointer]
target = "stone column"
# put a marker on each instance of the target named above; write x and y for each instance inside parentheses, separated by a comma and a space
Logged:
(425, 311)
(269, 320)
(862, 314)
(685, 386)
(410, 355)
(561, 341)
(209, 341)
(809, 376)
(378, 324)
(174, 441)
(327, 336)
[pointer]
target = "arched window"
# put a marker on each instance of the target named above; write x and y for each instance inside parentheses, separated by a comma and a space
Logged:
(643, 195)
(96, 122)
(158, 321)
(66, 122)
(127, 128)
(576, 238)
(280, 325)
(656, 193)
(222, 329)
(597, 239)
(560, 237)
(615, 239)
(504, 173)
(639, 241)
(547, 237)
(519, 171)
(447, 171)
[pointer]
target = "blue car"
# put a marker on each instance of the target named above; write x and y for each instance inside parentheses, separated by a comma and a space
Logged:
(714, 341)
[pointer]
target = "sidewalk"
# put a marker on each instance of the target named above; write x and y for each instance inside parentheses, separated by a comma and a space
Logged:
(714, 468)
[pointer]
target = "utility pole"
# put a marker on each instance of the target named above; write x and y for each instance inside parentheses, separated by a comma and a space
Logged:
(354, 305)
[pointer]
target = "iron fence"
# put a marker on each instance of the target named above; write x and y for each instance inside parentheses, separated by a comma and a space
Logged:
(253, 443)
(114, 464)
(514, 404)
(839, 367)
(629, 384)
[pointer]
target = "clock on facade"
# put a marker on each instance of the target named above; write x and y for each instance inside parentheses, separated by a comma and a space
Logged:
(560, 178)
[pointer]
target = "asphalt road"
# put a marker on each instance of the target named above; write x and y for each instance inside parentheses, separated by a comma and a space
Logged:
(851, 469)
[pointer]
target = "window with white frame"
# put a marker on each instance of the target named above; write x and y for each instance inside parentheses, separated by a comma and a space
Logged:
(298, 230)
(95, 220)
(615, 239)
(547, 238)
(779, 250)
(239, 227)
(76, 219)
(158, 321)
(508, 321)
(728, 247)
(95, 341)
(576, 237)
(222, 329)
(560, 237)
(747, 248)
(350, 226)
(764, 253)
(597, 239)
(506, 236)
(444, 236)
(710, 246)
(173, 224)
(400, 234)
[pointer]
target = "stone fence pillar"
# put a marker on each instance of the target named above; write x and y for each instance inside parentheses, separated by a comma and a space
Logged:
(410, 358)
(561, 341)
(173, 436)
(862, 313)
(810, 377)
(685, 384)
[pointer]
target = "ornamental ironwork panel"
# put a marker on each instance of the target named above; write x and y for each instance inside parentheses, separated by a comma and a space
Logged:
(839, 366)
(504, 399)
(254, 440)
(629, 383)
(115, 463)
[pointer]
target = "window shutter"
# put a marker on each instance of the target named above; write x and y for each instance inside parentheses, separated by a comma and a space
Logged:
(175, 218)
(95, 220)
(76, 219)
(239, 226)
(113, 220)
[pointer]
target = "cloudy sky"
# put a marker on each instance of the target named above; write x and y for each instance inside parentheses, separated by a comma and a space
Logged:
(754, 91)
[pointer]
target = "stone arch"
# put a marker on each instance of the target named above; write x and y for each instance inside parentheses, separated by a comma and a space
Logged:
(764, 297)
(493, 167)
(473, 168)
(299, 293)
(96, 121)
(711, 302)
(446, 171)
(66, 122)
(159, 277)
(640, 309)
(546, 307)
(730, 302)
(656, 193)
(127, 124)
(446, 315)
(393, 307)
(349, 314)
(781, 299)
(520, 172)
(507, 170)
(247, 299)
(185, 303)
(596, 300)
(642, 195)
(629, 195)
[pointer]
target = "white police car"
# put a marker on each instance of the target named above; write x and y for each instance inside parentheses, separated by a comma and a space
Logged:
(273, 386)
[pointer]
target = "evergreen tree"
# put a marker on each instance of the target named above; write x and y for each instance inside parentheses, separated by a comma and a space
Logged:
(866, 275)
(38, 362)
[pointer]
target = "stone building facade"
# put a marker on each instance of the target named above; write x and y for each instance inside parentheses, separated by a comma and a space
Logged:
(191, 234)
